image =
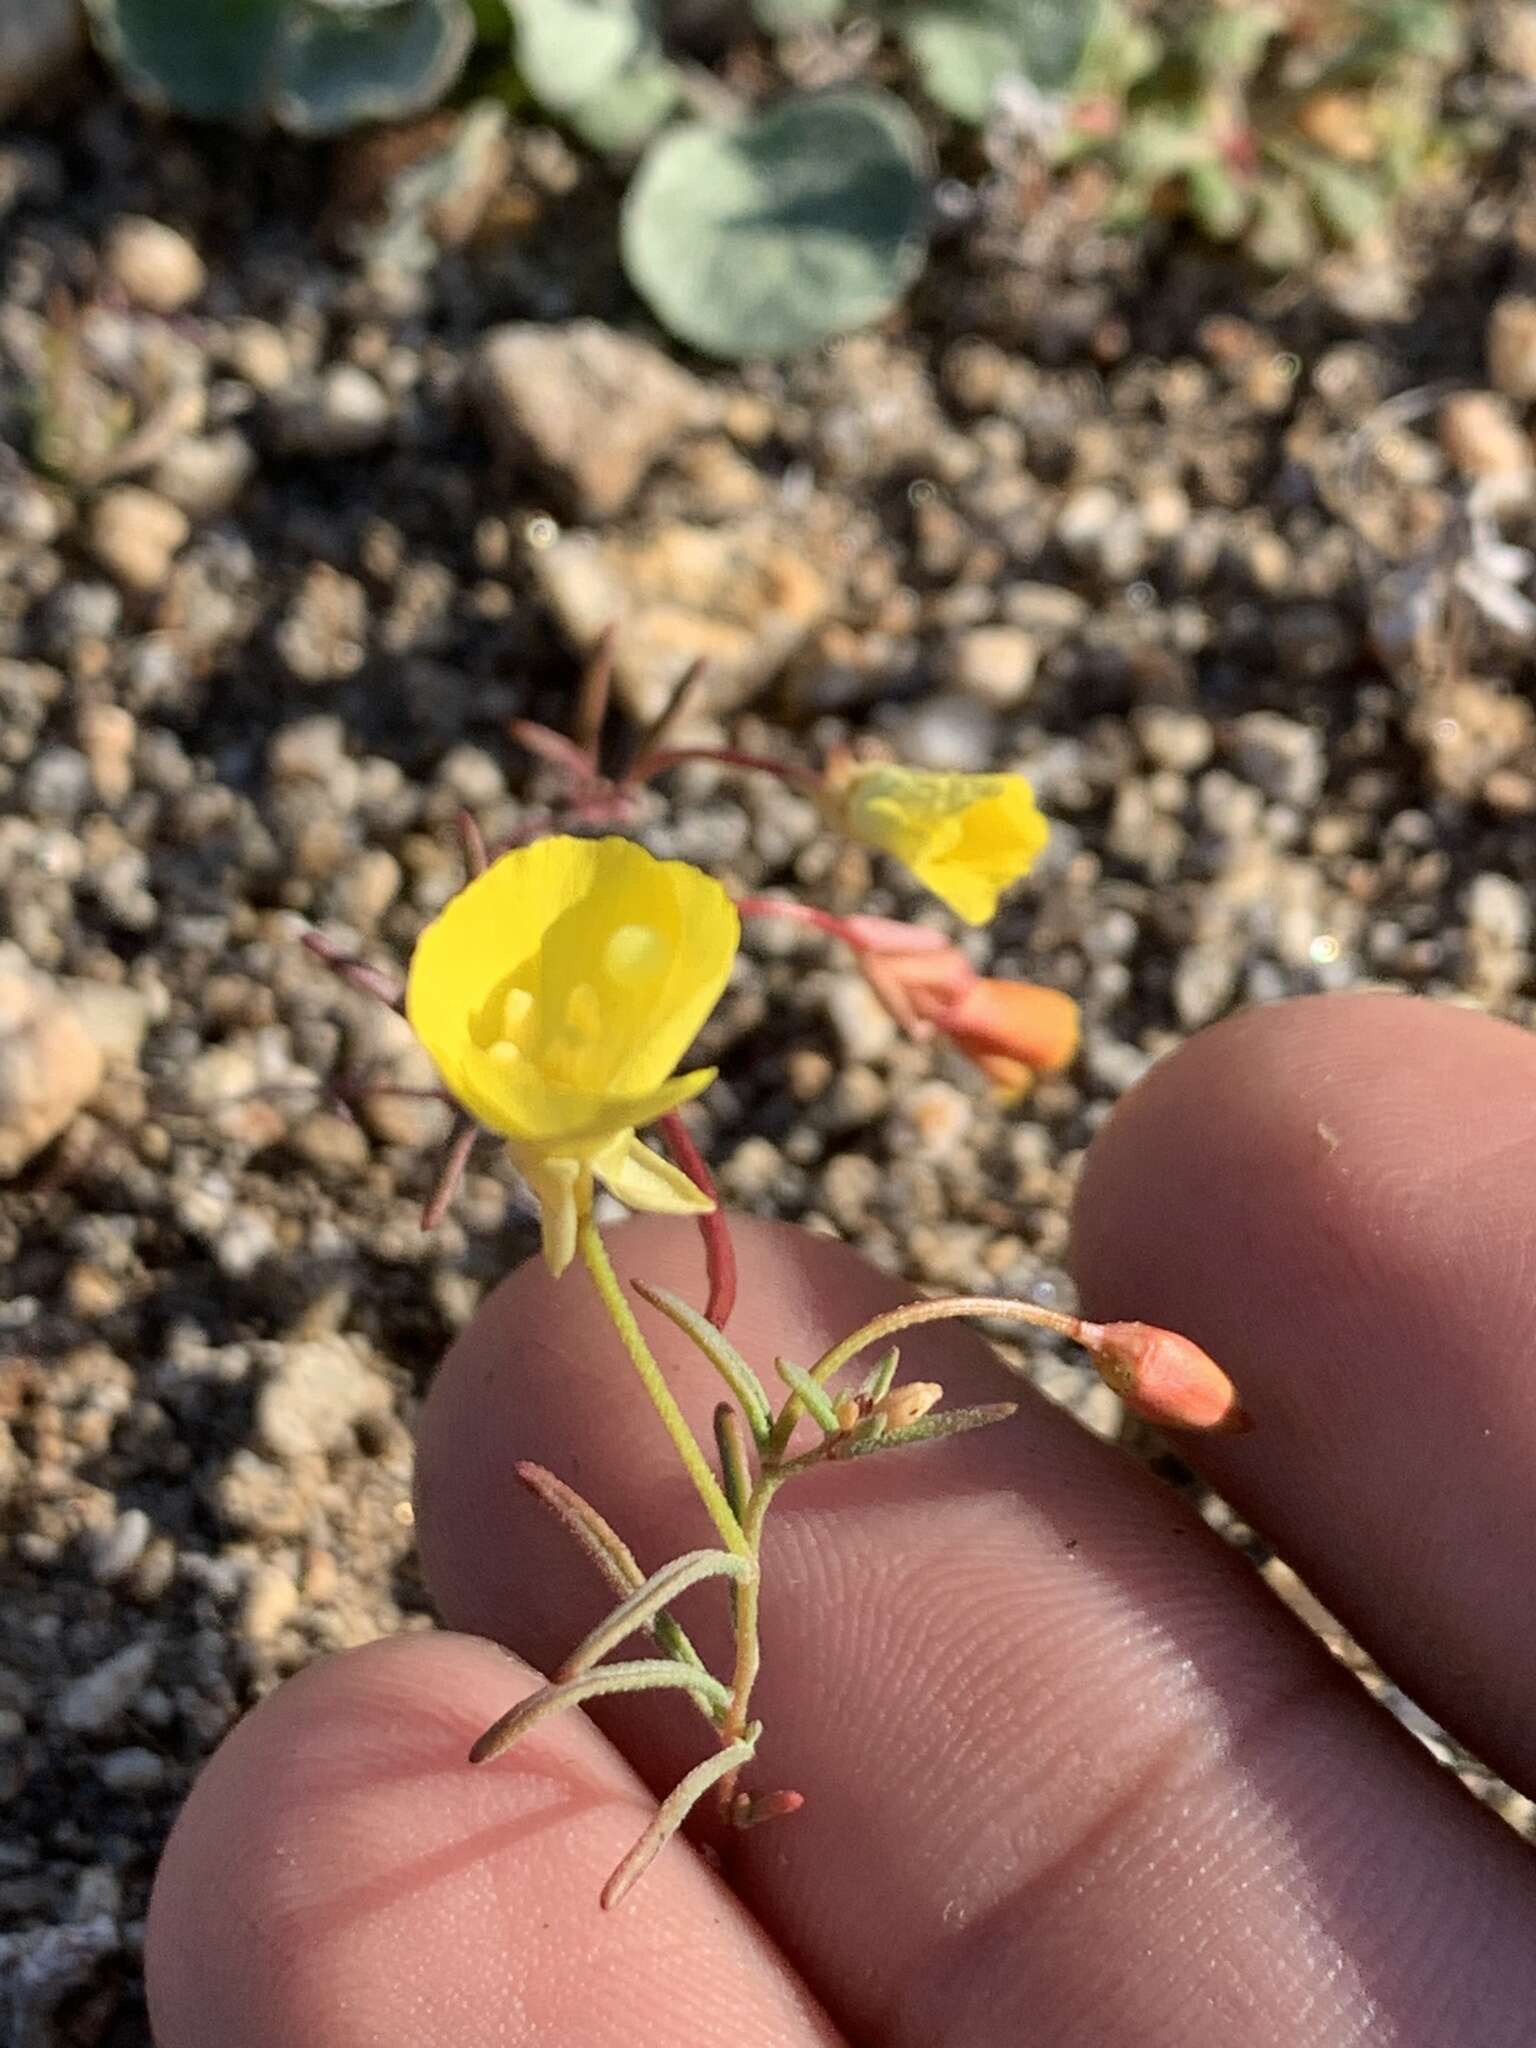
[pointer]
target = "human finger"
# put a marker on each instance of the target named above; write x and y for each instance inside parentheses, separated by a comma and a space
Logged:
(1336, 1197)
(1071, 1774)
(340, 1877)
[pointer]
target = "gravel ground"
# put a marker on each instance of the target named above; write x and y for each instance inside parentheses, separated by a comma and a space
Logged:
(289, 529)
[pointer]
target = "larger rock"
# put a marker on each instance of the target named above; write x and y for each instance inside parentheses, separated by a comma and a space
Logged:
(739, 598)
(317, 1395)
(49, 1065)
(592, 408)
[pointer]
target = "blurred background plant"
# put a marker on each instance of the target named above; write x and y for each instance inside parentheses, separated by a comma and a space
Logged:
(772, 204)
(1282, 126)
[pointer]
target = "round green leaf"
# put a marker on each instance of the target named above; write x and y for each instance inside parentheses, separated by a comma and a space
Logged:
(627, 113)
(213, 62)
(378, 61)
(964, 49)
(768, 236)
(961, 62)
(784, 17)
(569, 51)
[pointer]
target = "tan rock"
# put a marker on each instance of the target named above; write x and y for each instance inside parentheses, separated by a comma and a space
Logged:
(995, 664)
(1512, 347)
(1479, 434)
(158, 268)
(49, 1066)
(594, 409)
(271, 1600)
(741, 598)
(108, 734)
(134, 534)
(1512, 38)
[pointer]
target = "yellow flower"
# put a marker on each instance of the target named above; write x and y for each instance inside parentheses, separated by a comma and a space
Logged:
(556, 993)
(965, 837)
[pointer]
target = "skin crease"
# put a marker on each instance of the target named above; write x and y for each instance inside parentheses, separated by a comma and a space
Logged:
(1073, 1779)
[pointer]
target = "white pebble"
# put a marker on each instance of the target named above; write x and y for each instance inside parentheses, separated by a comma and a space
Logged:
(90, 1704)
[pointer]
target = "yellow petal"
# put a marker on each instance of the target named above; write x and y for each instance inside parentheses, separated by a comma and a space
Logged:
(563, 1189)
(482, 938)
(654, 943)
(519, 1102)
(965, 837)
(557, 991)
(642, 1179)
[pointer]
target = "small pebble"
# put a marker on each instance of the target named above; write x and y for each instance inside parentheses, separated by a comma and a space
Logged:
(271, 1600)
(131, 1770)
(118, 1549)
(49, 1067)
(995, 664)
(99, 1698)
(865, 1028)
(1512, 344)
(1481, 436)
(344, 412)
(1281, 756)
(156, 266)
(135, 534)
(1180, 740)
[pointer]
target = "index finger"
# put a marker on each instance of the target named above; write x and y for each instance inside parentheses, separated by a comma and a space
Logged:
(1338, 1198)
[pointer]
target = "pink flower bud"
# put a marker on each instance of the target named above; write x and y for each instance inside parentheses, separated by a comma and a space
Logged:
(1016, 1022)
(1165, 1378)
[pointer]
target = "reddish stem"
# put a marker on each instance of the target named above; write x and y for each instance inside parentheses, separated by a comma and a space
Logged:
(650, 765)
(792, 913)
(472, 841)
(452, 1173)
(551, 746)
(719, 1252)
(592, 696)
(368, 981)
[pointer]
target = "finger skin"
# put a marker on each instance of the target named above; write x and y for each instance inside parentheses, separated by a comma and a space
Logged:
(1337, 1197)
(1072, 1776)
(342, 1878)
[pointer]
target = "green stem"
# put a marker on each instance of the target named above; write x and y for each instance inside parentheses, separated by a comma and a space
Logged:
(749, 1656)
(595, 1256)
(1003, 1307)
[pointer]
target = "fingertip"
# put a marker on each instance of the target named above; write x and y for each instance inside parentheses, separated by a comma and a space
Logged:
(1333, 1197)
(342, 1876)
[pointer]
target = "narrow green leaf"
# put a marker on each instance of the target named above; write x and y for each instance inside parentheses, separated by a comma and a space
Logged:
(944, 1422)
(721, 1353)
(880, 1380)
(674, 1810)
(734, 1470)
(646, 1602)
(607, 1550)
(809, 1395)
(649, 1674)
